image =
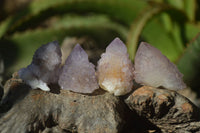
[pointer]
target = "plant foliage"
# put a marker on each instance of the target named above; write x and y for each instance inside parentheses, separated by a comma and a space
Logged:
(168, 25)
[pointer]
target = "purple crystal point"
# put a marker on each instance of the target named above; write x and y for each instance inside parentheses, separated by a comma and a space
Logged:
(152, 68)
(115, 70)
(44, 68)
(116, 47)
(78, 74)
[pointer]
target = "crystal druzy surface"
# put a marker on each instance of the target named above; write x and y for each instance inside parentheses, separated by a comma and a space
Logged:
(115, 70)
(78, 74)
(44, 68)
(152, 68)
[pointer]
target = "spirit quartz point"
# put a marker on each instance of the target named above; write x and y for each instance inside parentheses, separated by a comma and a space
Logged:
(44, 68)
(115, 70)
(152, 68)
(78, 74)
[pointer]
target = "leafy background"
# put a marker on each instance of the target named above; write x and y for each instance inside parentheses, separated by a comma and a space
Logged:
(170, 25)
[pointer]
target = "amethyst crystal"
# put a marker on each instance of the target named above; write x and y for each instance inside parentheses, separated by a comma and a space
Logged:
(78, 74)
(115, 70)
(154, 69)
(44, 68)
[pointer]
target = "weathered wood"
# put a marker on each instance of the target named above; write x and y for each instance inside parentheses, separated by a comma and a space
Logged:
(26, 110)
(166, 109)
(60, 111)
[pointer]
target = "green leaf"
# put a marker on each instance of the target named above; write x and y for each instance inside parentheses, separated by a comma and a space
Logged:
(191, 30)
(189, 63)
(155, 34)
(176, 3)
(151, 27)
(123, 11)
(22, 45)
(187, 6)
(137, 27)
(190, 9)
(167, 22)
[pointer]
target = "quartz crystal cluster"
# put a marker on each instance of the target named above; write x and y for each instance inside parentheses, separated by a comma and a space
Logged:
(152, 68)
(44, 68)
(115, 72)
(78, 74)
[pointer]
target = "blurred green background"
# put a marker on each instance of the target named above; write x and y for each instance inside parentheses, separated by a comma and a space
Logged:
(170, 25)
